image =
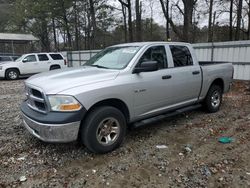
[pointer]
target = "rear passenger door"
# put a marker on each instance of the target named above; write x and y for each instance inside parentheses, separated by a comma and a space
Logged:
(44, 62)
(186, 76)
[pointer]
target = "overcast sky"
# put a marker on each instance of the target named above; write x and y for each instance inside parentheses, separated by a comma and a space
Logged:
(201, 14)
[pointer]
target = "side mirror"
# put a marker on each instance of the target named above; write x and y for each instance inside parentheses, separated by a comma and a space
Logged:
(25, 60)
(147, 66)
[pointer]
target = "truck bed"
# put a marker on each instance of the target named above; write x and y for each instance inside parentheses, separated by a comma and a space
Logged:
(213, 70)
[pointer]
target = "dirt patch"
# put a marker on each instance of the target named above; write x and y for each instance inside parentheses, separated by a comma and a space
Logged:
(193, 156)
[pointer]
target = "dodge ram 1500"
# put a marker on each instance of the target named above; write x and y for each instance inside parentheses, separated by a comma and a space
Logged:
(121, 85)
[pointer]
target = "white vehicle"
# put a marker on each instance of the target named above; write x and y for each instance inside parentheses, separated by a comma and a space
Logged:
(29, 64)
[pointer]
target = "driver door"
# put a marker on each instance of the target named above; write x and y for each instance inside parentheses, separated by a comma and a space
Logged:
(152, 90)
(29, 65)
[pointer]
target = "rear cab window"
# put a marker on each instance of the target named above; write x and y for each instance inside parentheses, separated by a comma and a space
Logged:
(181, 56)
(56, 56)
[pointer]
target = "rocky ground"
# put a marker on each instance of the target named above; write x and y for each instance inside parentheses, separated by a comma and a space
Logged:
(182, 151)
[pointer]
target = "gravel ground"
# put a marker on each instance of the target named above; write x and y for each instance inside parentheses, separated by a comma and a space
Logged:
(189, 154)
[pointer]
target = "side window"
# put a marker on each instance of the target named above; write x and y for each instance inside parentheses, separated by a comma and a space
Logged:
(30, 58)
(56, 56)
(155, 53)
(43, 57)
(181, 56)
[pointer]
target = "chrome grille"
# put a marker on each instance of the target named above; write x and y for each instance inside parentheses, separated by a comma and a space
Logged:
(36, 99)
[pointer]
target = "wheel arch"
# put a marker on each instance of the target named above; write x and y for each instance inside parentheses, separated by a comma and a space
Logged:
(219, 82)
(55, 65)
(11, 68)
(114, 102)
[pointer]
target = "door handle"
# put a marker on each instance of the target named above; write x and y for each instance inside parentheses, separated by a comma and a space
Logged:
(166, 77)
(196, 72)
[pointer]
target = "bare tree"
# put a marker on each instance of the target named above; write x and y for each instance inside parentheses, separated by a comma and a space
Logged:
(66, 24)
(248, 14)
(210, 20)
(130, 24)
(187, 14)
(77, 42)
(239, 17)
(231, 20)
(124, 13)
(93, 22)
(169, 20)
(151, 5)
(138, 11)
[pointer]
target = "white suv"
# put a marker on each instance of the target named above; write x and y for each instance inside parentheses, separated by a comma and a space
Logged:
(29, 64)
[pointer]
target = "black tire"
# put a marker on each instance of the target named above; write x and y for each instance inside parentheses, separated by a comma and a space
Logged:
(93, 133)
(54, 67)
(213, 99)
(12, 74)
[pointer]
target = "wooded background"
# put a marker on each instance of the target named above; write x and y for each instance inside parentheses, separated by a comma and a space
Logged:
(95, 24)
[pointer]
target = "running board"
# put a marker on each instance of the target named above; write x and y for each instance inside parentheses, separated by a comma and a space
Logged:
(164, 116)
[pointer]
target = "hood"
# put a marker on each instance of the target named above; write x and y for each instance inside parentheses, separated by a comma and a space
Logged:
(5, 62)
(56, 81)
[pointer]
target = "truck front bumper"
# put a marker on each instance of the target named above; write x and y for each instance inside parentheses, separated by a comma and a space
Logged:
(52, 127)
(52, 132)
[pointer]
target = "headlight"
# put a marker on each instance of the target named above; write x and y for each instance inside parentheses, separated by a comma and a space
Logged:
(64, 103)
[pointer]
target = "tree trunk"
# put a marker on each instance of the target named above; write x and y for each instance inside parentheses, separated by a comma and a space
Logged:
(173, 26)
(88, 32)
(248, 32)
(210, 21)
(167, 22)
(76, 27)
(66, 23)
(188, 15)
(124, 13)
(93, 22)
(45, 36)
(231, 20)
(54, 34)
(138, 11)
(239, 17)
(151, 19)
(130, 24)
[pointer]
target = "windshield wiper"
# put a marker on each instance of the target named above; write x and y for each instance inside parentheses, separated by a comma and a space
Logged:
(99, 66)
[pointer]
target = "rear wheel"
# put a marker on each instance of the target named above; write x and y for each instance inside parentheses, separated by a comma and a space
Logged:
(54, 67)
(12, 74)
(103, 130)
(213, 99)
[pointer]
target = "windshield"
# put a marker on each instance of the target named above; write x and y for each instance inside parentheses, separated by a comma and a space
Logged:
(113, 57)
(19, 59)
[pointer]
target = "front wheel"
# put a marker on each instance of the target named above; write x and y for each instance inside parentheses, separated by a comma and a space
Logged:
(103, 130)
(12, 74)
(213, 99)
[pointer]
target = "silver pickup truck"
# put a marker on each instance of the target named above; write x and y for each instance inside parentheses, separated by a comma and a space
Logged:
(120, 86)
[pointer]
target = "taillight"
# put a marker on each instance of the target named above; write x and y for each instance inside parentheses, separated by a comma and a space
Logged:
(65, 62)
